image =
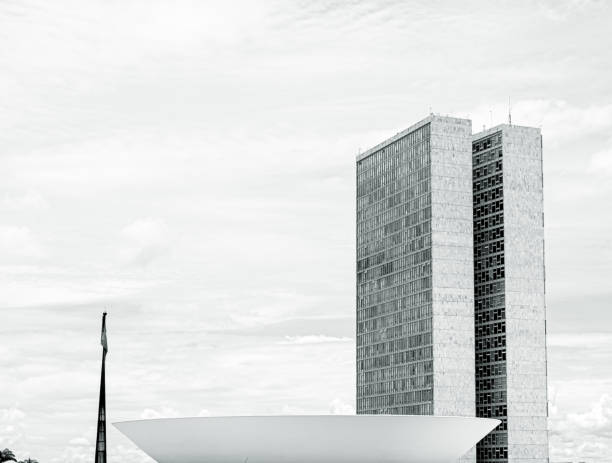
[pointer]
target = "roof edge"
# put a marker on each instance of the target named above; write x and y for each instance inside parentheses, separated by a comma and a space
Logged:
(432, 117)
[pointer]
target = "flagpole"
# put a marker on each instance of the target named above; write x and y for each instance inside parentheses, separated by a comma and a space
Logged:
(101, 431)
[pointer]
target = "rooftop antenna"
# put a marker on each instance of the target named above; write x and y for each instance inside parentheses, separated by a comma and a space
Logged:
(430, 111)
(491, 116)
(509, 112)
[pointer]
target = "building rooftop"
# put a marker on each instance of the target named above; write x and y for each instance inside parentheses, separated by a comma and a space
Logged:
(412, 128)
(497, 128)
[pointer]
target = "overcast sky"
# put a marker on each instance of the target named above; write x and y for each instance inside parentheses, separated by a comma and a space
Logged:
(189, 167)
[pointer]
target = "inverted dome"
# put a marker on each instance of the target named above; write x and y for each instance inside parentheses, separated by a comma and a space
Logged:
(308, 439)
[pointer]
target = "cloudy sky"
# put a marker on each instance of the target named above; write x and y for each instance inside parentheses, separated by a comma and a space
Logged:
(189, 167)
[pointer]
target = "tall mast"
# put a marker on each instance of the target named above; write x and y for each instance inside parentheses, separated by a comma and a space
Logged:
(101, 433)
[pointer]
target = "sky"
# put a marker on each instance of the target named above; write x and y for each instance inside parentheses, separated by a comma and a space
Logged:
(189, 167)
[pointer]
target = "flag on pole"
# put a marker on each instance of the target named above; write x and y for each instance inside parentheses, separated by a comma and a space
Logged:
(103, 338)
(101, 432)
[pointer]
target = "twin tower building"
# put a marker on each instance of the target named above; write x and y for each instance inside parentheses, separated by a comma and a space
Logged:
(451, 317)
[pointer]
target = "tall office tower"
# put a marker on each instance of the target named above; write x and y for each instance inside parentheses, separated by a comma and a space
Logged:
(415, 306)
(509, 293)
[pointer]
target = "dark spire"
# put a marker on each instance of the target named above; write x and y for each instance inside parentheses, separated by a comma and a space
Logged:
(101, 433)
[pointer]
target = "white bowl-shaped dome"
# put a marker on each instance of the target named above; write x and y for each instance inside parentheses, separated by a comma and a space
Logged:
(308, 439)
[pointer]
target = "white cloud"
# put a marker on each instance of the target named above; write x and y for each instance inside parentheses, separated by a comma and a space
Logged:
(82, 441)
(18, 243)
(586, 435)
(221, 145)
(146, 240)
(560, 120)
(314, 339)
(339, 407)
(20, 202)
(11, 415)
(146, 232)
(601, 162)
(163, 412)
(12, 427)
(293, 410)
(563, 10)
(579, 340)
(598, 420)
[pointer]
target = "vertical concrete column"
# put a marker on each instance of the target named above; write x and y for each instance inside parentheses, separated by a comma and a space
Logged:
(525, 305)
(452, 266)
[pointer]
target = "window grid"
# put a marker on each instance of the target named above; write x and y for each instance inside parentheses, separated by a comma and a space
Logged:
(489, 295)
(394, 313)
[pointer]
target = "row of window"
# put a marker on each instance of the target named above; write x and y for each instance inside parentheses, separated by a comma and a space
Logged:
(488, 262)
(491, 411)
(484, 210)
(420, 382)
(492, 397)
(488, 329)
(396, 345)
(491, 274)
(412, 307)
(401, 145)
(378, 197)
(397, 199)
(374, 190)
(403, 317)
(489, 221)
(491, 342)
(385, 213)
(486, 143)
(487, 182)
(489, 288)
(488, 195)
(410, 231)
(395, 247)
(366, 407)
(391, 157)
(399, 166)
(491, 356)
(489, 248)
(490, 234)
(497, 436)
(374, 340)
(399, 367)
(487, 316)
(406, 276)
(408, 214)
(400, 387)
(489, 384)
(414, 258)
(495, 301)
(393, 267)
(403, 290)
(487, 169)
(497, 369)
(403, 358)
(487, 157)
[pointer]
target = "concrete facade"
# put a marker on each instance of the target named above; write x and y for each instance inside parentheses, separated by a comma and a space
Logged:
(451, 315)
(517, 383)
(415, 340)
(525, 303)
(452, 263)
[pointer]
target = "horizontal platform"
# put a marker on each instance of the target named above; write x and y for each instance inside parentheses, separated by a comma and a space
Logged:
(308, 438)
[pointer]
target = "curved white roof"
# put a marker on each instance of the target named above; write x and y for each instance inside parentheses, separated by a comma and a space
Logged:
(316, 439)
